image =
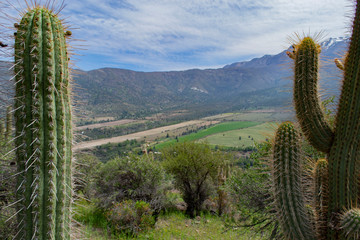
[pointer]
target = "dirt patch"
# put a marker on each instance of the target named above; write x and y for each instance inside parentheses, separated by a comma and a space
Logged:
(139, 135)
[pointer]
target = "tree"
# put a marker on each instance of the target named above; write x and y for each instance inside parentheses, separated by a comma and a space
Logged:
(193, 167)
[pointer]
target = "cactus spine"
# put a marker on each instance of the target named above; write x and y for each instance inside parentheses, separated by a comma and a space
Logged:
(309, 112)
(289, 201)
(43, 127)
(337, 178)
(350, 223)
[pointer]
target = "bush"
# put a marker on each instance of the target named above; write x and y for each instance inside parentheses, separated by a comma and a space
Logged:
(173, 201)
(89, 213)
(134, 177)
(85, 168)
(194, 167)
(131, 217)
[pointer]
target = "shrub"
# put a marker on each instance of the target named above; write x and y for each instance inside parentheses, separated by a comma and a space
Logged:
(131, 217)
(133, 177)
(173, 201)
(89, 213)
(86, 166)
(194, 167)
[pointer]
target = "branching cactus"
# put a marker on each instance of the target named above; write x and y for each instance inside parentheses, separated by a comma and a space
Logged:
(43, 127)
(337, 178)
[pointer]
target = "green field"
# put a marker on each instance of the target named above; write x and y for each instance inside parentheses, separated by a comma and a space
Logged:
(219, 128)
(255, 116)
(244, 137)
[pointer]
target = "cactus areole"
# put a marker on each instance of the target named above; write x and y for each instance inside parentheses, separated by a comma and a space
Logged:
(43, 127)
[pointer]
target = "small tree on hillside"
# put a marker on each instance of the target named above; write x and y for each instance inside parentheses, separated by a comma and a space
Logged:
(193, 166)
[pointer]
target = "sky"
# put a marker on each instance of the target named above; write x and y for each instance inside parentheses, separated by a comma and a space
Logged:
(164, 35)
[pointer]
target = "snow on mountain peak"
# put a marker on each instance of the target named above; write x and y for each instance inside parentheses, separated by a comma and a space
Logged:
(331, 42)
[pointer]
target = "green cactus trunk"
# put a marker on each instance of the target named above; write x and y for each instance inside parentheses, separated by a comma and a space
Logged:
(43, 127)
(344, 157)
(321, 198)
(289, 201)
(339, 185)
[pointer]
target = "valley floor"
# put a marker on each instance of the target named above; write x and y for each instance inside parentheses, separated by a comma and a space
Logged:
(141, 135)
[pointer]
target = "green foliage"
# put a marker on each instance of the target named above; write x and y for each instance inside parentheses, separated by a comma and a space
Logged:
(176, 225)
(86, 166)
(131, 217)
(173, 201)
(194, 167)
(133, 177)
(250, 194)
(7, 184)
(110, 151)
(43, 127)
(88, 213)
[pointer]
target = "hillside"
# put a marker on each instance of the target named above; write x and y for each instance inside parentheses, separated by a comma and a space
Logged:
(261, 82)
(130, 91)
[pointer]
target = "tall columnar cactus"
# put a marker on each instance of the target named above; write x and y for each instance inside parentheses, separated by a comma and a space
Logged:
(339, 175)
(43, 127)
(289, 200)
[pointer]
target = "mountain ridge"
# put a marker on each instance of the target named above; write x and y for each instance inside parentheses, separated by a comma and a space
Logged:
(257, 83)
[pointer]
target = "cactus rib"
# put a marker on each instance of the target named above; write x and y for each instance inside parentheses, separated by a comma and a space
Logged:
(289, 200)
(42, 126)
(309, 112)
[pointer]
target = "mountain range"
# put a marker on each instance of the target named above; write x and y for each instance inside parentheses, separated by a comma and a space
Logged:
(260, 82)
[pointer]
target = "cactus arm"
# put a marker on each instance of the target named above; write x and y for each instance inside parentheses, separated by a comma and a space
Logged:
(289, 200)
(321, 198)
(41, 124)
(308, 109)
(350, 224)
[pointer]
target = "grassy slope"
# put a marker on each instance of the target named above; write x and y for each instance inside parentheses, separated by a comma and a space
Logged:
(219, 128)
(257, 133)
(177, 226)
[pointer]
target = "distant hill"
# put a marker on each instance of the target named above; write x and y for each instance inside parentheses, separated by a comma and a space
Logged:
(261, 82)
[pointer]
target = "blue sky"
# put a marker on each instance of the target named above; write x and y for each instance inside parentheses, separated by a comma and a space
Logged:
(162, 35)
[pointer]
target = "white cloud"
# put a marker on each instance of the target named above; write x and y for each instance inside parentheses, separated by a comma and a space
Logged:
(175, 34)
